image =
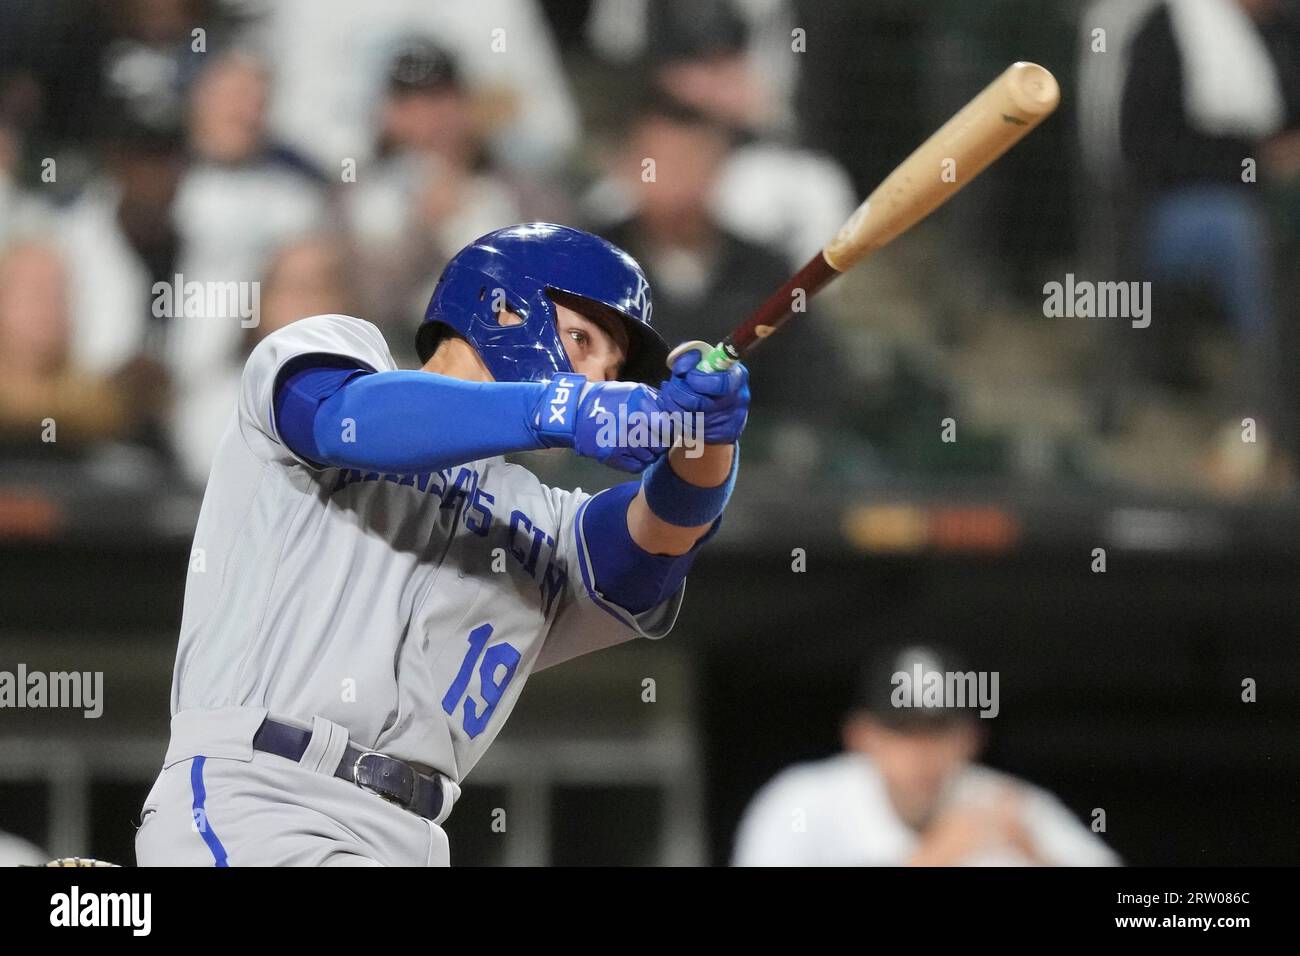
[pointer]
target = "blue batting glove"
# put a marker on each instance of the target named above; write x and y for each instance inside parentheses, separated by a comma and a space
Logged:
(721, 397)
(620, 424)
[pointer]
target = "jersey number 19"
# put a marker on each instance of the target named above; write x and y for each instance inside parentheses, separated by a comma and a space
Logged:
(491, 687)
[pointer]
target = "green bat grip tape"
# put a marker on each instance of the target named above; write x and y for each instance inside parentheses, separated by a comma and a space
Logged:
(719, 359)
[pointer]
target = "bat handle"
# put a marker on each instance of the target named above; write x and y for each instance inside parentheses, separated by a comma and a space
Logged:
(713, 358)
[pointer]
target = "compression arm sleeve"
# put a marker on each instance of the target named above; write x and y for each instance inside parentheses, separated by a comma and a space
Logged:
(400, 422)
(411, 422)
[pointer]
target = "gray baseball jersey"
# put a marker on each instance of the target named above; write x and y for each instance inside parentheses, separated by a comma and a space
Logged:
(408, 609)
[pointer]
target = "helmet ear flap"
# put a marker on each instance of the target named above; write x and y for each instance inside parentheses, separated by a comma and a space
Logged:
(430, 335)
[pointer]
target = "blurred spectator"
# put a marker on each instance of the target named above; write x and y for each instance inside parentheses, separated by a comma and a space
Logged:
(331, 56)
(38, 382)
(432, 191)
(1201, 93)
(89, 56)
(866, 87)
(906, 791)
(151, 62)
(119, 240)
(20, 210)
(1101, 92)
(625, 31)
(242, 198)
(309, 276)
(1280, 169)
(705, 278)
(698, 54)
(40, 40)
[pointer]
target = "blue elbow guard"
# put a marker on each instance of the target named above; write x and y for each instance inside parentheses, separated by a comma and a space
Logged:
(623, 572)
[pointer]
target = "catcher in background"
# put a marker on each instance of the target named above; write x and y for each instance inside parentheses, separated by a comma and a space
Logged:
(906, 791)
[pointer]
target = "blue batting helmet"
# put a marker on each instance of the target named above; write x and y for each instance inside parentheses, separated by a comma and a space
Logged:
(527, 269)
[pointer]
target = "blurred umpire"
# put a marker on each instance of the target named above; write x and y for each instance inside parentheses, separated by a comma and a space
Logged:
(907, 791)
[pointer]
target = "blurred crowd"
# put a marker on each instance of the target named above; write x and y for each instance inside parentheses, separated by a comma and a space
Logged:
(179, 178)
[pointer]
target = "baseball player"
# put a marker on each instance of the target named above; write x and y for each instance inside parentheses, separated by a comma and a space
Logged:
(372, 583)
(907, 791)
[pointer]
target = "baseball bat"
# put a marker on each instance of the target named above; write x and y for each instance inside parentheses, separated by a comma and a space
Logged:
(985, 128)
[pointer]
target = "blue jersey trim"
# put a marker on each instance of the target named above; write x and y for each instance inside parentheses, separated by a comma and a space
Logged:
(619, 615)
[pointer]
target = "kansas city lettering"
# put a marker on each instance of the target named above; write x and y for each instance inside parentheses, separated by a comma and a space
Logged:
(529, 546)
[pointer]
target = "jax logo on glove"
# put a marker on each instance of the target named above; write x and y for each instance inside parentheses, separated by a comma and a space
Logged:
(559, 400)
(625, 425)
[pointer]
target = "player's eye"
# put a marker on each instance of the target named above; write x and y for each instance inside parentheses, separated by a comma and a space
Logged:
(579, 336)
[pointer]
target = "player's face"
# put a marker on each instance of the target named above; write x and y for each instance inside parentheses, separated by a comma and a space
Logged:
(916, 764)
(595, 349)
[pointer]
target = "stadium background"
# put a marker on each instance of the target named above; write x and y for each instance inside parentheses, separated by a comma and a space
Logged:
(1120, 690)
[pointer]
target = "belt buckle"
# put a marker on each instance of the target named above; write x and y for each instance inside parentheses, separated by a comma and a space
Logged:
(378, 791)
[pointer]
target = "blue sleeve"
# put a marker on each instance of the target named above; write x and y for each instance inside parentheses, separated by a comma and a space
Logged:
(331, 413)
(624, 573)
(298, 394)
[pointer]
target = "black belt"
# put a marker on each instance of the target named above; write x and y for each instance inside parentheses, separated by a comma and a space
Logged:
(393, 779)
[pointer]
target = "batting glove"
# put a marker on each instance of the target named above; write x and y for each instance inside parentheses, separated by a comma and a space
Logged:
(620, 424)
(721, 397)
